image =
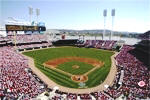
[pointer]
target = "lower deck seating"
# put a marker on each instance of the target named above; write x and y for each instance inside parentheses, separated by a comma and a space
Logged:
(15, 80)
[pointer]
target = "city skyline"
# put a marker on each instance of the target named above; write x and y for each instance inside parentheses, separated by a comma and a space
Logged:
(131, 15)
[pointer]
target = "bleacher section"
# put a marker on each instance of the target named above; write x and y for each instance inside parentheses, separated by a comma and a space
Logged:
(99, 44)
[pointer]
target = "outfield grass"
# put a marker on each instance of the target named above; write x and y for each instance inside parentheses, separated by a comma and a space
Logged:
(95, 77)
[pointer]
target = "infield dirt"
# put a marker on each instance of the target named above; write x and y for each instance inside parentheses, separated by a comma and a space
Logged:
(77, 78)
(56, 62)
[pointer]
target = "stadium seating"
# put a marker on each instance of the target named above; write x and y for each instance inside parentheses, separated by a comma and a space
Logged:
(23, 42)
(134, 71)
(145, 36)
(142, 52)
(99, 44)
(32, 38)
(15, 80)
(18, 81)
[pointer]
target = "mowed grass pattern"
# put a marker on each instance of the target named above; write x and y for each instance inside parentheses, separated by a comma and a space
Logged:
(83, 67)
(95, 77)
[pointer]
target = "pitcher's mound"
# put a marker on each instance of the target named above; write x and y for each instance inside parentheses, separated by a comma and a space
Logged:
(75, 66)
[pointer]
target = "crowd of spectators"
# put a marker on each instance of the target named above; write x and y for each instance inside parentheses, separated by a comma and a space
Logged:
(18, 81)
(99, 44)
(3, 38)
(134, 72)
(142, 52)
(32, 38)
(4, 41)
(15, 79)
(58, 95)
(23, 41)
(94, 95)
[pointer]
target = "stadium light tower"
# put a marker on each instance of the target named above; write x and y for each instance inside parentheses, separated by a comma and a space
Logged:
(30, 14)
(37, 14)
(104, 14)
(113, 15)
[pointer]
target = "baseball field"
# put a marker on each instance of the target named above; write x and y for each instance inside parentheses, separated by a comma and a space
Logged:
(73, 67)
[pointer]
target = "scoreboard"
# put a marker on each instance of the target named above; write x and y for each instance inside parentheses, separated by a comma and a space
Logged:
(30, 28)
(27, 29)
(22, 28)
(14, 28)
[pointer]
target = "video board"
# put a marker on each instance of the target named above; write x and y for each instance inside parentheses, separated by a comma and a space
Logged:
(30, 28)
(27, 29)
(14, 28)
(21, 28)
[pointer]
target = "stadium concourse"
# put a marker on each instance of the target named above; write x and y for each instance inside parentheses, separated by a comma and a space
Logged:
(18, 81)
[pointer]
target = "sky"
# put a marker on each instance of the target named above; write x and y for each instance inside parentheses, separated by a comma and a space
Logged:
(131, 15)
